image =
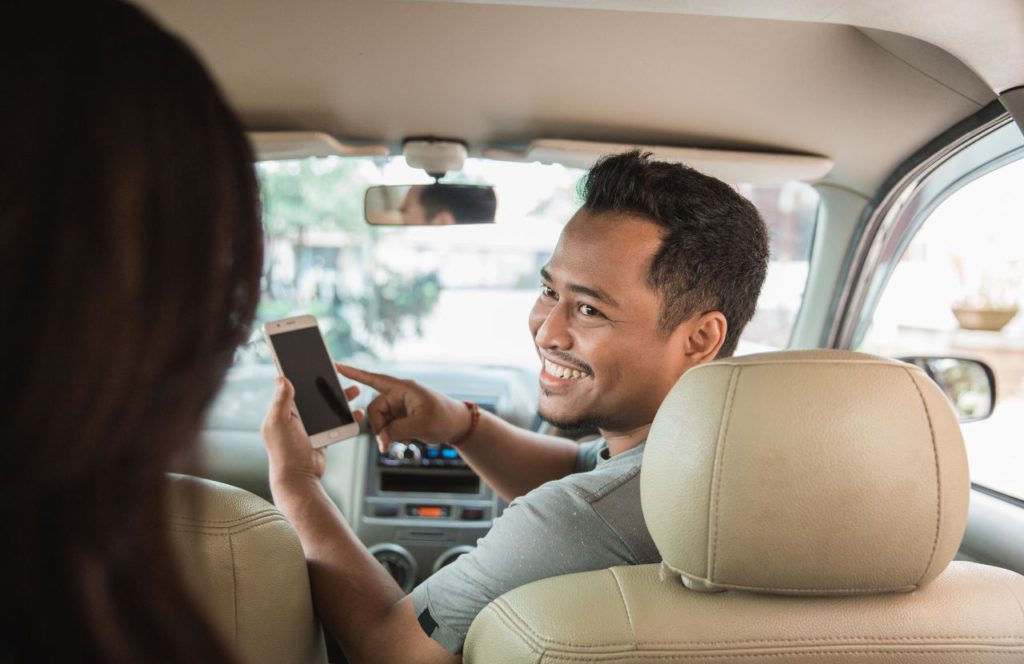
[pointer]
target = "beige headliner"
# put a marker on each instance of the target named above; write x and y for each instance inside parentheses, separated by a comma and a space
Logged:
(499, 75)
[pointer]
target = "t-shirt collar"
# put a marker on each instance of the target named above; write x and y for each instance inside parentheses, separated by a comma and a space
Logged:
(604, 457)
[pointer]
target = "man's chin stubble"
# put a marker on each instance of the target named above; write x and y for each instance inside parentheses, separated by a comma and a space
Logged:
(580, 424)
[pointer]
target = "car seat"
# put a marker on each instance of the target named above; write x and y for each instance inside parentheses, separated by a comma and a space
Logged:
(244, 564)
(806, 505)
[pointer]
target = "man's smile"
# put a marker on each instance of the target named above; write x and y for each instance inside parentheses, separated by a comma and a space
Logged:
(561, 372)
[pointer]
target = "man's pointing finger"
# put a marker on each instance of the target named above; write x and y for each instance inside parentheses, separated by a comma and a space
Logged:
(379, 382)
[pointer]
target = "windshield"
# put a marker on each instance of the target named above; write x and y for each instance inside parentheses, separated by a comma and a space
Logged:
(458, 294)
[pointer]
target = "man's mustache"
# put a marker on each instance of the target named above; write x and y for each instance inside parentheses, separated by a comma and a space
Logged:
(569, 360)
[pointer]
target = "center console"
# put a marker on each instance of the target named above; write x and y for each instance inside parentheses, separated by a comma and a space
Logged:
(419, 506)
(423, 507)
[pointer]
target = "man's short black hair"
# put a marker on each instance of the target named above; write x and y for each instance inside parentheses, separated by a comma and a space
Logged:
(714, 251)
(468, 204)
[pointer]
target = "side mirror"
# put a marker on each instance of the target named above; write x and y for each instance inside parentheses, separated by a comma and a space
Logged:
(970, 385)
(430, 205)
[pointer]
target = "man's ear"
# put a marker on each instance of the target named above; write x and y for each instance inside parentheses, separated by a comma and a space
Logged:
(706, 336)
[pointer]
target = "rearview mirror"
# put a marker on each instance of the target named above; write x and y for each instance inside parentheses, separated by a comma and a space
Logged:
(430, 204)
(970, 385)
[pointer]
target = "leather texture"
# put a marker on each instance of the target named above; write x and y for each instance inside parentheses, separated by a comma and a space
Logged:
(971, 613)
(823, 493)
(806, 472)
(243, 562)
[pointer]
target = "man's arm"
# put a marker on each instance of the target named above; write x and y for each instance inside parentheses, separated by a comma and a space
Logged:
(513, 461)
(370, 616)
(358, 600)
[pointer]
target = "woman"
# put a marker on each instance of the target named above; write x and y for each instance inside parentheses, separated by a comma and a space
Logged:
(130, 257)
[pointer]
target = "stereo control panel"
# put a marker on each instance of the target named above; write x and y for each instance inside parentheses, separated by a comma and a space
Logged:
(422, 505)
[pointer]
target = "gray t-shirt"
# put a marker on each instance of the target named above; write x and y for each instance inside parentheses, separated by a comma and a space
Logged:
(586, 521)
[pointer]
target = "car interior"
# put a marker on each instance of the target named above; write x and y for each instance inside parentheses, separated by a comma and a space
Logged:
(882, 142)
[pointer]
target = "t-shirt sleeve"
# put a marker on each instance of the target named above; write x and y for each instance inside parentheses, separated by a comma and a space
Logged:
(548, 532)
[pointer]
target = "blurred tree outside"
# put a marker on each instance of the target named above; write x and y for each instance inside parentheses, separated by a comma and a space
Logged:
(316, 207)
(321, 194)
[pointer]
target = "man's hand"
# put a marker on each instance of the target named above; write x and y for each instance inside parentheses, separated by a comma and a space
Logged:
(404, 410)
(292, 455)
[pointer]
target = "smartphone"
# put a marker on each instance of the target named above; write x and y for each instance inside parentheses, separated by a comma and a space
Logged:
(301, 356)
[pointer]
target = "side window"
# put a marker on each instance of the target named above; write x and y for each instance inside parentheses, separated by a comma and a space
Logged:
(957, 291)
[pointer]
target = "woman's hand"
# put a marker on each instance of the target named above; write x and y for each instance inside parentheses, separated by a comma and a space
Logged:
(293, 459)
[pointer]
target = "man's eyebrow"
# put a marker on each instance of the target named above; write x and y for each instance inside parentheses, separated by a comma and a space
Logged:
(595, 293)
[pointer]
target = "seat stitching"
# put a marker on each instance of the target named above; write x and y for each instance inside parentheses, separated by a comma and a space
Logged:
(262, 512)
(228, 524)
(499, 611)
(822, 640)
(182, 528)
(837, 640)
(543, 640)
(816, 591)
(262, 518)
(938, 480)
(763, 363)
(706, 656)
(234, 584)
(524, 623)
(718, 469)
(625, 605)
(799, 591)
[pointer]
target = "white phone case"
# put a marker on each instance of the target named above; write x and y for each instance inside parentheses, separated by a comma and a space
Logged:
(322, 438)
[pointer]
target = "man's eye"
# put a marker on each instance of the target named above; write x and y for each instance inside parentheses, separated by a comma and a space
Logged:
(547, 291)
(589, 311)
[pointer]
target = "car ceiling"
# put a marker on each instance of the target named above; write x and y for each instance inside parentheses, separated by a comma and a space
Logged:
(852, 81)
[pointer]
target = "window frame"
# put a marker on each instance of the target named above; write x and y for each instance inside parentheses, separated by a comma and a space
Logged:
(974, 147)
(995, 145)
(997, 149)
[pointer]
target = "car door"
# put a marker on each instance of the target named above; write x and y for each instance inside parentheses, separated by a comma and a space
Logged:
(943, 275)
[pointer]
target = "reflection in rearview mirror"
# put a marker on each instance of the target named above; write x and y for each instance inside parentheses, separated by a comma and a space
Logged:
(970, 385)
(430, 205)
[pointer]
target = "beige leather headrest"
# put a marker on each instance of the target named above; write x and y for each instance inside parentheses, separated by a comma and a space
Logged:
(806, 472)
(244, 564)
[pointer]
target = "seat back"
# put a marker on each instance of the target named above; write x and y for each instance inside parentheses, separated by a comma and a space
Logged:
(243, 562)
(970, 613)
(806, 506)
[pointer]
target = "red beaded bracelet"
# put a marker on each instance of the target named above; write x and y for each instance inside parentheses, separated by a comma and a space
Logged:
(474, 418)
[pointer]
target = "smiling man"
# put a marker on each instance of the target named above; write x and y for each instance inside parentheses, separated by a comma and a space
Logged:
(658, 272)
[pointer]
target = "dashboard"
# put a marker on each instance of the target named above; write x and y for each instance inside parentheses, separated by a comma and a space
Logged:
(416, 506)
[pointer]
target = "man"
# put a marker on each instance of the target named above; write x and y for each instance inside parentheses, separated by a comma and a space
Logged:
(415, 210)
(657, 272)
(446, 204)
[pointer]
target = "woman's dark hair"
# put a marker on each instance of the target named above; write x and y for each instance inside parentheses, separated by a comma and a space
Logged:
(714, 250)
(130, 257)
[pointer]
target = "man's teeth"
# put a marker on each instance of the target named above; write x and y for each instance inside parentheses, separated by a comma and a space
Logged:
(559, 371)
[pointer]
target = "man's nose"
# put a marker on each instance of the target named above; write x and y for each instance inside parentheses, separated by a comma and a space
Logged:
(553, 331)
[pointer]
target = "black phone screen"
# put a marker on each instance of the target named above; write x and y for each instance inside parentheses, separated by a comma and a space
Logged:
(318, 395)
